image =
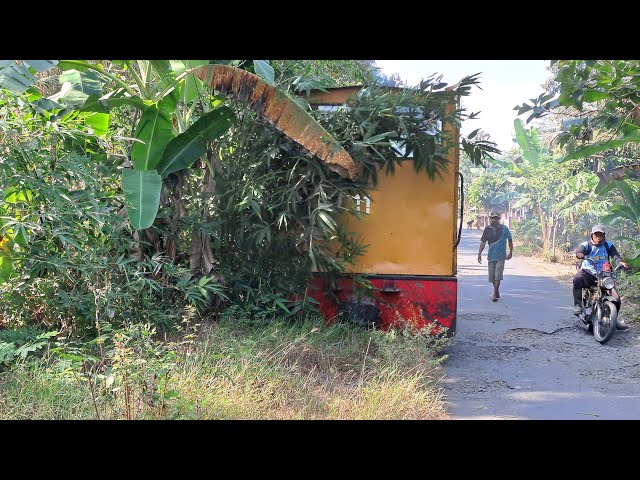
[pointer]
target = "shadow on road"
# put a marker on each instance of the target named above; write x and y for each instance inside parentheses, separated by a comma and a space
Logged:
(527, 356)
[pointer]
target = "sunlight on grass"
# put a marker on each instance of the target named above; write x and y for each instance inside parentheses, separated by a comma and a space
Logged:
(239, 370)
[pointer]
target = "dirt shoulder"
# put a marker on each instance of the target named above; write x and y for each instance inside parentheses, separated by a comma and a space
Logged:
(559, 271)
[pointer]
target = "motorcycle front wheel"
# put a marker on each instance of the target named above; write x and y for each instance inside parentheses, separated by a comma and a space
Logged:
(604, 325)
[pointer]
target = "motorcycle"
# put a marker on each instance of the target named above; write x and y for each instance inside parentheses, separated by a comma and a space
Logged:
(598, 310)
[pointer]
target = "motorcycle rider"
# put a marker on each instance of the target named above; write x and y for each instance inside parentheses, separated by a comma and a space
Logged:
(598, 249)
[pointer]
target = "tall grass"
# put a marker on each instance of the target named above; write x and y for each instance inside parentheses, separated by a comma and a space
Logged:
(239, 370)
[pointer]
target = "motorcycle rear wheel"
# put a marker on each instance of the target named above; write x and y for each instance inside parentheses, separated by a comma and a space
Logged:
(604, 325)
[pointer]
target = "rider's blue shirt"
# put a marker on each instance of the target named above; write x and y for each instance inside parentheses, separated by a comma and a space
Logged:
(598, 254)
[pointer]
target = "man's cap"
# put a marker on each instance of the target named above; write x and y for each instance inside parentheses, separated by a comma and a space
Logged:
(598, 228)
(495, 215)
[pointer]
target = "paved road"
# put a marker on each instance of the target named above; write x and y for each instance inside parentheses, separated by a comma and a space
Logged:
(527, 356)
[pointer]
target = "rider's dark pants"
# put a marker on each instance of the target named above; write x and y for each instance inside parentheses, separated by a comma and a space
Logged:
(584, 279)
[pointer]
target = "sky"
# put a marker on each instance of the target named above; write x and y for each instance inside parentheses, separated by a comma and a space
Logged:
(504, 83)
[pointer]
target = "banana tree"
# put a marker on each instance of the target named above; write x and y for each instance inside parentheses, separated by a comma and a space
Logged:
(530, 176)
(158, 151)
(155, 94)
(281, 111)
(167, 97)
(166, 138)
(629, 210)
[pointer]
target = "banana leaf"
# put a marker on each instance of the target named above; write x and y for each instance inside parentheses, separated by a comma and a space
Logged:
(281, 111)
(155, 130)
(142, 192)
(190, 145)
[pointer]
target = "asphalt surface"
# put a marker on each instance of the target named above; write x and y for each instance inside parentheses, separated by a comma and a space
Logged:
(527, 356)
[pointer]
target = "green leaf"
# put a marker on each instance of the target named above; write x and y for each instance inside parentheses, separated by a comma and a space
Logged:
(7, 267)
(46, 105)
(85, 82)
(41, 65)
(164, 74)
(473, 134)
(65, 240)
(610, 217)
(281, 305)
(142, 192)
(526, 143)
(162, 67)
(328, 221)
(265, 70)
(594, 96)
(190, 145)
(168, 104)
(7, 352)
(632, 201)
(104, 104)
(27, 348)
(623, 237)
(193, 86)
(377, 138)
(69, 96)
(78, 88)
(73, 65)
(624, 211)
(600, 147)
(604, 188)
(155, 130)
(99, 122)
(16, 78)
(15, 194)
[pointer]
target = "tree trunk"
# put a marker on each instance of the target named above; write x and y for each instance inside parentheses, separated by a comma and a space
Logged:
(553, 239)
(543, 228)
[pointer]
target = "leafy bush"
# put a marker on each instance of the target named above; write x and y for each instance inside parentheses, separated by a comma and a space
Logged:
(629, 290)
(17, 344)
(528, 232)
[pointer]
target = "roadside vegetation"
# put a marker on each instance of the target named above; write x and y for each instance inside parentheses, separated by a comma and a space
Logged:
(157, 237)
(236, 368)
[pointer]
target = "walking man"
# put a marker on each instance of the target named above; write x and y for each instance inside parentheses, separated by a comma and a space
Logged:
(497, 236)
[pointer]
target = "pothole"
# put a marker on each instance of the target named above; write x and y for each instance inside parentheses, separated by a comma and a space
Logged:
(482, 317)
(468, 386)
(486, 352)
(615, 375)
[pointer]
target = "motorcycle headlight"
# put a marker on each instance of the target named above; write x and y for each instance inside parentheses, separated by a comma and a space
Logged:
(609, 283)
